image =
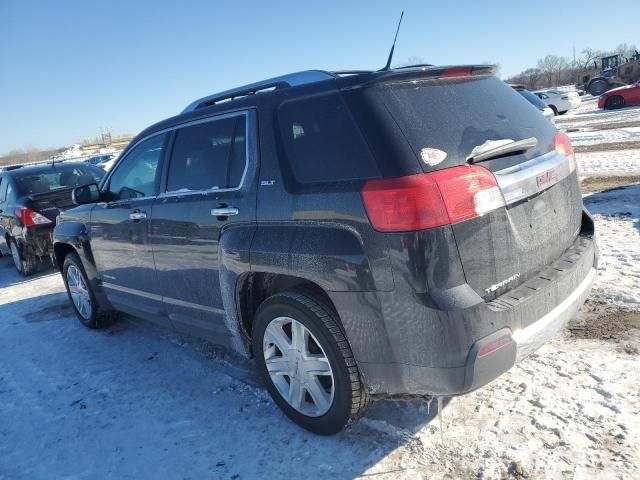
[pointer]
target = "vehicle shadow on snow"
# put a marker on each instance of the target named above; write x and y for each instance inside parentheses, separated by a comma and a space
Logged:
(180, 373)
(620, 202)
(9, 275)
(42, 308)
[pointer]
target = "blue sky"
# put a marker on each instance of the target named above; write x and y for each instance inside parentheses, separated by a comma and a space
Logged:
(68, 68)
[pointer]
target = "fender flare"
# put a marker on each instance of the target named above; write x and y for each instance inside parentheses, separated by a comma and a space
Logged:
(74, 236)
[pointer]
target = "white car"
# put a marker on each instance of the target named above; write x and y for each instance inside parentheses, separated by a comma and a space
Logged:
(559, 102)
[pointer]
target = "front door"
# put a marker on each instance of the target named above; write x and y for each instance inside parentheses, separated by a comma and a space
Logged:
(120, 232)
(209, 189)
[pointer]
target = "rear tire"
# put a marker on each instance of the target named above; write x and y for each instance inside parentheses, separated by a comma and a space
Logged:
(598, 87)
(25, 264)
(563, 112)
(280, 320)
(82, 298)
(614, 102)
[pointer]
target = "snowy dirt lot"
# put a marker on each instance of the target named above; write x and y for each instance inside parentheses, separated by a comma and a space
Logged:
(134, 401)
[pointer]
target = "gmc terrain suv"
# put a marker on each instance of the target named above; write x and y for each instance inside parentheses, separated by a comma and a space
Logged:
(405, 232)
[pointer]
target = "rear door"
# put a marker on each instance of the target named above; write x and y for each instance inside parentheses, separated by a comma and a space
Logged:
(120, 231)
(209, 189)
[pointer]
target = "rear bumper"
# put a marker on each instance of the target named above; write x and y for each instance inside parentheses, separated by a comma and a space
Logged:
(424, 350)
(37, 241)
(514, 346)
(531, 338)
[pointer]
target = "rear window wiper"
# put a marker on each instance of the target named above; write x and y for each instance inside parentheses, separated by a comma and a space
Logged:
(497, 148)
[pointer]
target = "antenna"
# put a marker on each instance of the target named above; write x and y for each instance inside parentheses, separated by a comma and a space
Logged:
(388, 65)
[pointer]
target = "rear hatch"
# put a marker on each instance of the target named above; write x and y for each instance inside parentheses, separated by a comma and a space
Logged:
(443, 115)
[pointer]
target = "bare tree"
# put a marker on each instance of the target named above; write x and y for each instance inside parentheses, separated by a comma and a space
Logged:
(550, 67)
(626, 50)
(588, 57)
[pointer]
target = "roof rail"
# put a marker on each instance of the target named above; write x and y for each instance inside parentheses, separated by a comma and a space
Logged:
(284, 81)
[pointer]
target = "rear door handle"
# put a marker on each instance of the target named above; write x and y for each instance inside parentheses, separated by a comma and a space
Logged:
(224, 211)
(138, 215)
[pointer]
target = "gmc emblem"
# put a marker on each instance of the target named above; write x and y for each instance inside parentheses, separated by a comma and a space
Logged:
(547, 177)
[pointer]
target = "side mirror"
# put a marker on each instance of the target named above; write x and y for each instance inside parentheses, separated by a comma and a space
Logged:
(86, 194)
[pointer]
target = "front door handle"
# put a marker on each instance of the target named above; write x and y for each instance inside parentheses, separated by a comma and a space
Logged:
(224, 211)
(137, 216)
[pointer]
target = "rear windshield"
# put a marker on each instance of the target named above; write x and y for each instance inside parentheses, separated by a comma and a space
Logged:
(453, 116)
(57, 179)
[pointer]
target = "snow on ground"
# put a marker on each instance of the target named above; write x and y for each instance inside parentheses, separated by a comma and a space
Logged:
(589, 115)
(611, 162)
(616, 213)
(593, 136)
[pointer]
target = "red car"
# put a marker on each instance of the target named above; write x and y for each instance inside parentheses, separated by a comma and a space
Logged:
(620, 97)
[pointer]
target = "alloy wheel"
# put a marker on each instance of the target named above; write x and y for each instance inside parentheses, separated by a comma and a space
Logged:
(298, 366)
(79, 291)
(16, 256)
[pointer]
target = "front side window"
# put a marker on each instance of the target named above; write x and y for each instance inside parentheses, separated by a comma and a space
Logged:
(208, 156)
(135, 176)
(3, 190)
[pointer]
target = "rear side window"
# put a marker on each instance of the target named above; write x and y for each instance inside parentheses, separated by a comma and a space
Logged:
(322, 142)
(3, 190)
(209, 156)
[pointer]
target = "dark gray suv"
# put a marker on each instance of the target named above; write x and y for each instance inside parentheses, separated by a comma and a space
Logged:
(414, 231)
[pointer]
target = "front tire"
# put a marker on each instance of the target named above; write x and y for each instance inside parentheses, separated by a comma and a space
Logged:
(81, 295)
(614, 102)
(555, 110)
(25, 264)
(306, 362)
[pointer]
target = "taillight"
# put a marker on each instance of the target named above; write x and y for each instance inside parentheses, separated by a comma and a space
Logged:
(563, 145)
(453, 72)
(31, 218)
(431, 200)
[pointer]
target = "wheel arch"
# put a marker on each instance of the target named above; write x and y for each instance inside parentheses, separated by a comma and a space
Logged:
(253, 288)
(73, 237)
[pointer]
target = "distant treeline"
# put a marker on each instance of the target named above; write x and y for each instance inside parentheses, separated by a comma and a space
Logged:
(28, 155)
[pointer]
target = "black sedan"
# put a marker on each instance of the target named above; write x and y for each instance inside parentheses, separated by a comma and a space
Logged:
(31, 197)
